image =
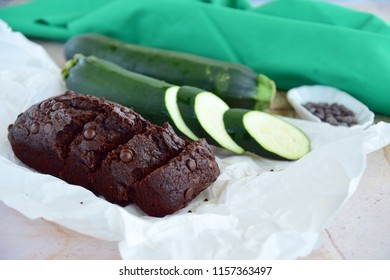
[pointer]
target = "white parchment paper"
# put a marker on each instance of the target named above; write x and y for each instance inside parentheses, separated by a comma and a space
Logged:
(257, 209)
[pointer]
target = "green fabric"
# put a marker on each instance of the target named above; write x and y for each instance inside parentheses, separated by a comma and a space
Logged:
(326, 13)
(293, 42)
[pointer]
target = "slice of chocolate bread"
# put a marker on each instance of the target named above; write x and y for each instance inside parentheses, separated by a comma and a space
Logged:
(134, 160)
(41, 135)
(170, 187)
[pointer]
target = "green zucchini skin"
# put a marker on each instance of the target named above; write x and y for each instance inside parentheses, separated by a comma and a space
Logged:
(233, 120)
(238, 85)
(235, 126)
(203, 112)
(93, 76)
(186, 102)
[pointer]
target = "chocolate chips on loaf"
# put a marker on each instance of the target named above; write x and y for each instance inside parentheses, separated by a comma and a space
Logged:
(114, 152)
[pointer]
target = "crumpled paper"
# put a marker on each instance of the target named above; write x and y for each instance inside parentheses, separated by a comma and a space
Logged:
(257, 208)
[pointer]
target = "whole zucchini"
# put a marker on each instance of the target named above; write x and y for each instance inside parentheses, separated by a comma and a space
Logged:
(192, 111)
(238, 85)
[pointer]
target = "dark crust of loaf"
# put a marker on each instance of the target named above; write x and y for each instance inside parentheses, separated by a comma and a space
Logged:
(40, 129)
(134, 160)
(50, 136)
(170, 187)
(112, 151)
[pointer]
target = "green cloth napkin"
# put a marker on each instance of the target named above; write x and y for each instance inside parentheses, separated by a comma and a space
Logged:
(293, 42)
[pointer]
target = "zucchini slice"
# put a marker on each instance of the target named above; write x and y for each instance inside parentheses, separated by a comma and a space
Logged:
(203, 112)
(266, 135)
(173, 110)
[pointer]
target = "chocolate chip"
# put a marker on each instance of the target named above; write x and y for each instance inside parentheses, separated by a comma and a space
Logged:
(188, 194)
(57, 115)
(65, 98)
(126, 155)
(331, 119)
(334, 114)
(44, 104)
(33, 114)
(191, 164)
(56, 106)
(89, 133)
(349, 120)
(34, 128)
(48, 128)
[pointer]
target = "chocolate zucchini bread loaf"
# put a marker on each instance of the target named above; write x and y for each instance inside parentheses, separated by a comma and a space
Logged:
(112, 151)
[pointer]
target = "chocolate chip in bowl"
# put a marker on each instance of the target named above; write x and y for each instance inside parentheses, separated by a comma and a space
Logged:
(333, 113)
(326, 104)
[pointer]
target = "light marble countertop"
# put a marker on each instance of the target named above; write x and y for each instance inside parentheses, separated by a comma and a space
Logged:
(359, 231)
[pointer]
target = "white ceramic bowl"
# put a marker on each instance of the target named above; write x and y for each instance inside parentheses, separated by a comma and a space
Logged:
(317, 93)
